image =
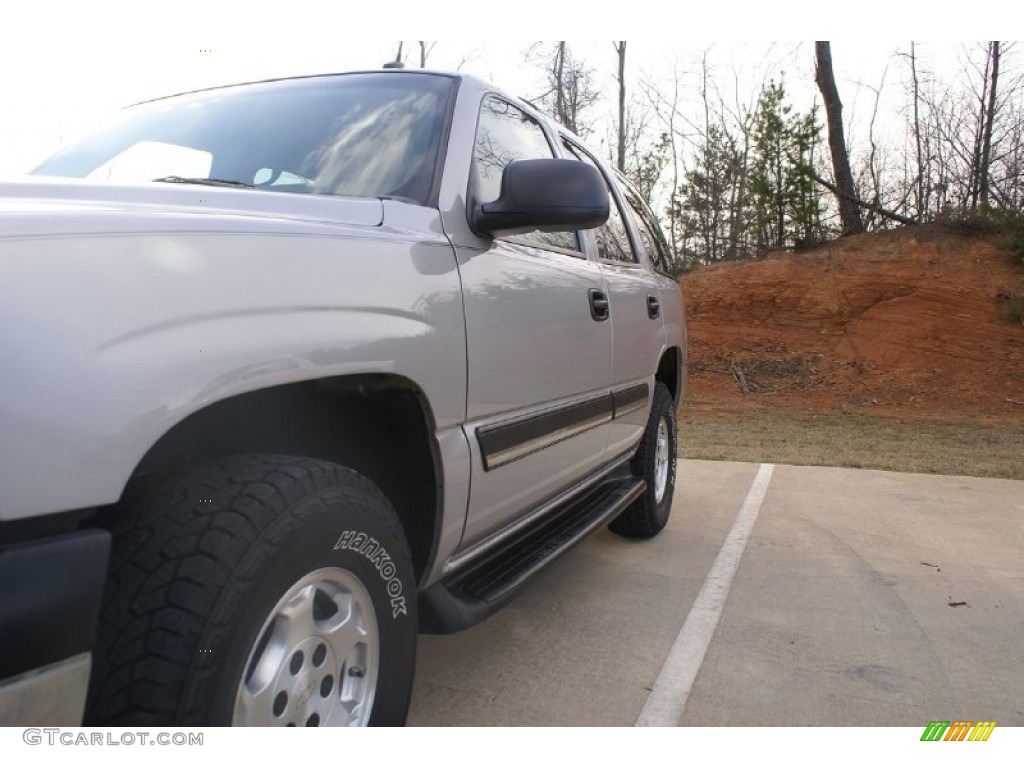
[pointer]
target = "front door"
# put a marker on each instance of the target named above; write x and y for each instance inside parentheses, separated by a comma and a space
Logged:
(539, 353)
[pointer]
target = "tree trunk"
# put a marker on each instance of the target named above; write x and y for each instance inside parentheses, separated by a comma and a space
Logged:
(737, 221)
(620, 49)
(424, 52)
(780, 198)
(986, 149)
(922, 175)
(978, 138)
(560, 85)
(848, 212)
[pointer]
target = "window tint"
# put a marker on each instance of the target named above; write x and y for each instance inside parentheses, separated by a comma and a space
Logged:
(372, 135)
(612, 238)
(506, 133)
(654, 243)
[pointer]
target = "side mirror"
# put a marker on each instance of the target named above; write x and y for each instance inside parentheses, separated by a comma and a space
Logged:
(548, 194)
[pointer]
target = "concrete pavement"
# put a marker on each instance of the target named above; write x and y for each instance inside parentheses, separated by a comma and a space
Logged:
(839, 613)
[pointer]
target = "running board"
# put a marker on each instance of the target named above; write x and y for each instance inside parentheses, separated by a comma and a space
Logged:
(469, 596)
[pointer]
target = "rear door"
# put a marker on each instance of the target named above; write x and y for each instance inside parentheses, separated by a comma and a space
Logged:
(637, 323)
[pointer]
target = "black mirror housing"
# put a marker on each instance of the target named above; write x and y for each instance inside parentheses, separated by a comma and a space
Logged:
(549, 195)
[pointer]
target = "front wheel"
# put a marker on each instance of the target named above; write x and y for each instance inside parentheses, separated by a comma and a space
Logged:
(261, 590)
(655, 461)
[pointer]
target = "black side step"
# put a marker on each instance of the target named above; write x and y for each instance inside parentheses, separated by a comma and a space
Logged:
(469, 596)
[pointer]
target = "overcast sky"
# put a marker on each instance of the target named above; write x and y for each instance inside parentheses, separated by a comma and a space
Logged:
(66, 66)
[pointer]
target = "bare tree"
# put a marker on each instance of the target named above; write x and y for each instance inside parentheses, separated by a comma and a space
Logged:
(570, 89)
(876, 169)
(646, 146)
(620, 50)
(425, 48)
(982, 95)
(666, 108)
(922, 188)
(743, 117)
(849, 214)
(716, 161)
(990, 114)
(971, 130)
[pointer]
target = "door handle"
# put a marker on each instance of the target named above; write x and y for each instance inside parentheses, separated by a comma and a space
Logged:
(653, 307)
(600, 309)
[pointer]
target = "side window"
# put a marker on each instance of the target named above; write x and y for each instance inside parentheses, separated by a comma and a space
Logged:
(506, 133)
(612, 239)
(655, 245)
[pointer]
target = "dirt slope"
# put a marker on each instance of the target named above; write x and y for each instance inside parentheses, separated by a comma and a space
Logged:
(897, 323)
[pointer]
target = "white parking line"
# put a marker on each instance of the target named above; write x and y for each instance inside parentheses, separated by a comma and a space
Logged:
(668, 697)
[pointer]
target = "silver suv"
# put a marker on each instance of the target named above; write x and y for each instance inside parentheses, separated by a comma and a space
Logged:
(297, 369)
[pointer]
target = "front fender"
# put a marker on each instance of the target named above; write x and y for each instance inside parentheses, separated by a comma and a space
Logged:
(108, 341)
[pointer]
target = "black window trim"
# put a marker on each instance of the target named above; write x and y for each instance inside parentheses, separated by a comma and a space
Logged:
(525, 242)
(670, 251)
(612, 180)
(434, 195)
(580, 251)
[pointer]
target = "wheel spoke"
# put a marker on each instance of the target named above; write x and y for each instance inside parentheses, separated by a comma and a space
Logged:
(344, 632)
(353, 697)
(255, 703)
(351, 709)
(661, 461)
(265, 667)
(296, 616)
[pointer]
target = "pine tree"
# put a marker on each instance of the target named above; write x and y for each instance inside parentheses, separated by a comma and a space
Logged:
(786, 205)
(705, 195)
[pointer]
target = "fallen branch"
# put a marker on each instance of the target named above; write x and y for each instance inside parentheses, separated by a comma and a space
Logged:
(741, 379)
(870, 206)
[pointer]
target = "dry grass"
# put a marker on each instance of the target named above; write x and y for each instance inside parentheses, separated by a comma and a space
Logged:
(792, 436)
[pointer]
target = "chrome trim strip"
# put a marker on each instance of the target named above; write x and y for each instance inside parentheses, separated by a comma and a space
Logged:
(499, 458)
(511, 440)
(630, 408)
(625, 401)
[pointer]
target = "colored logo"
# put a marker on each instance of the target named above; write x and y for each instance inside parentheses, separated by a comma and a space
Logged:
(958, 730)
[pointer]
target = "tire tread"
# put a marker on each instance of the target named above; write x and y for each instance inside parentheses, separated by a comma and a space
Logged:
(173, 557)
(642, 519)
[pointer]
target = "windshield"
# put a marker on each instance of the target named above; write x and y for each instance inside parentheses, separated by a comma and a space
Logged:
(368, 135)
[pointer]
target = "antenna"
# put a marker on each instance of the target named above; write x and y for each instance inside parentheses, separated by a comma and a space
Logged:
(397, 63)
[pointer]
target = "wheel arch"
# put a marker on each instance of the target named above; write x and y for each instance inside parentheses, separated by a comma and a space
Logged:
(670, 373)
(379, 425)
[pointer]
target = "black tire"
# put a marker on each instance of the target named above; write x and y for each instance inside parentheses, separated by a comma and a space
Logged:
(198, 575)
(646, 516)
